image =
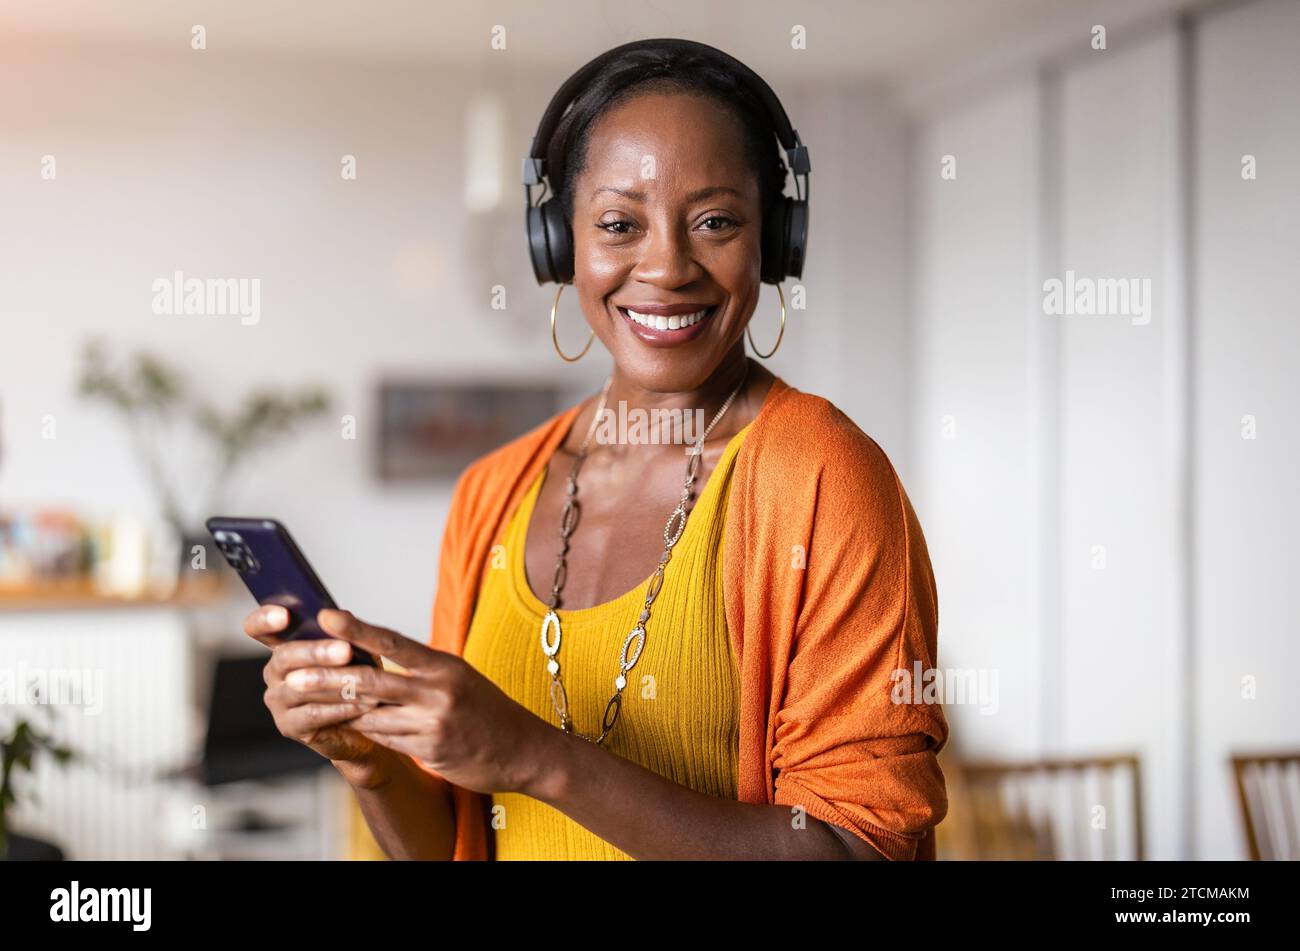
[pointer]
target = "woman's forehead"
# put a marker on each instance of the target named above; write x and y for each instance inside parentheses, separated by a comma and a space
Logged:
(664, 141)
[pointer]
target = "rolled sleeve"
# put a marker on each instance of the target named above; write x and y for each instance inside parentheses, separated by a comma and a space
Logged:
(843, 749)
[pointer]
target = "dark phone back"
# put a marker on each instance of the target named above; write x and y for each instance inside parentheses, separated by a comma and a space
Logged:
(273, 568)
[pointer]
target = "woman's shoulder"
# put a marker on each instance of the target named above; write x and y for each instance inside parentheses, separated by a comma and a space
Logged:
(812, 467)
(802, 434)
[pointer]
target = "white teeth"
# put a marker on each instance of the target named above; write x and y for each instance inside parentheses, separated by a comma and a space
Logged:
(667, 323)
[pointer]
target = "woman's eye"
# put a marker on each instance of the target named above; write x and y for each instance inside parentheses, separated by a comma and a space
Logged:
(712, 223)
(722, 222)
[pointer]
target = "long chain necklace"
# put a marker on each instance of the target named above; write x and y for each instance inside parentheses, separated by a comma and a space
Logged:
(635, 641)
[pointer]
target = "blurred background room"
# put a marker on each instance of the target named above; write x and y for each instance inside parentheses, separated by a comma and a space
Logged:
(1107, 493)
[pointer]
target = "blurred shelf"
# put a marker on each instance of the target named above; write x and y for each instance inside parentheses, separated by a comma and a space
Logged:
(80, 594)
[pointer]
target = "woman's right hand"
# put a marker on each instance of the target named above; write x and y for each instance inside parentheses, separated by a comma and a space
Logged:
(311, 716)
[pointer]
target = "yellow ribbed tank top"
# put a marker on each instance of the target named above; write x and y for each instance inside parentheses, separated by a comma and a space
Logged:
(681, 705)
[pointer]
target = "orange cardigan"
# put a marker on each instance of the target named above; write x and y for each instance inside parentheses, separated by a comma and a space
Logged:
(828, 592)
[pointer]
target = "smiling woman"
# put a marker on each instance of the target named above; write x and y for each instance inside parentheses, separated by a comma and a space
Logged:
(637, 200)
(638, 651)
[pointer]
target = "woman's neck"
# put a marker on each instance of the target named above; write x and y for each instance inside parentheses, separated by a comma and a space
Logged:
(664, 410)
(626, 396)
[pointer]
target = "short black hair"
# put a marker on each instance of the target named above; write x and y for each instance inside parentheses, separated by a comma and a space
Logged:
(660, 69)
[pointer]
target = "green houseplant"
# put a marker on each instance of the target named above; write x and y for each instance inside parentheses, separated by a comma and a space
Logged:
(18, 751)
(156, 405)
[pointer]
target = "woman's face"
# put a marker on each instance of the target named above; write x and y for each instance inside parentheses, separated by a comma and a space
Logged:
(666, 225)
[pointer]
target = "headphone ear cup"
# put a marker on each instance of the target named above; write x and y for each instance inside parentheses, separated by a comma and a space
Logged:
(796, 241)
(776, 228)
(559, 240)
(539, 251)
(549, 243)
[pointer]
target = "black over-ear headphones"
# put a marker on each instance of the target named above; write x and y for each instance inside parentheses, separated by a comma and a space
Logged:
(785, 226)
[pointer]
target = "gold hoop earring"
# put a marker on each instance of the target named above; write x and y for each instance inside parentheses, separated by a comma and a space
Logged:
(555, 340)
(779, 335)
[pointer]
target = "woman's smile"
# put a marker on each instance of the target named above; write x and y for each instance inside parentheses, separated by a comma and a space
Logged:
(667, 325)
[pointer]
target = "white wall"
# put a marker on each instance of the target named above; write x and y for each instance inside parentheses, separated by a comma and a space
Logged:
(972, 417)
(1071, 431)
(851, 344)
(1247, 355)
(1118, 189)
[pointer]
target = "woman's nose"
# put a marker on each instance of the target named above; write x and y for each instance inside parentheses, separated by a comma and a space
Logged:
(667, 258)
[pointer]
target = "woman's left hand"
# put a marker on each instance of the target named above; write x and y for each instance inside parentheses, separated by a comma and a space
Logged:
(442, 711)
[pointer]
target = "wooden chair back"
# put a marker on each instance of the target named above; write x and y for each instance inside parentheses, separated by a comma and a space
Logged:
(1268, 794)
(1071, 809)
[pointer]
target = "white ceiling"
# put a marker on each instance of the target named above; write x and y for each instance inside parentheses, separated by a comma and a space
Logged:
(926, 45)
(870, 38)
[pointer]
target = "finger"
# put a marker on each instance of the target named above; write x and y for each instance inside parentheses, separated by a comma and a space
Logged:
(391, 720)
(356, 682)
(408, 743)
(263, 623)
(305, 719)
(283, 696)
(319, 652)
(378, 640)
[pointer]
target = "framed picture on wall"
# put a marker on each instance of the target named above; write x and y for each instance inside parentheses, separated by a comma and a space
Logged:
(431, 430)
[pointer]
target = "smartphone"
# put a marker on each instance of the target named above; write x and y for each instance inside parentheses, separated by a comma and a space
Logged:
(275, 571)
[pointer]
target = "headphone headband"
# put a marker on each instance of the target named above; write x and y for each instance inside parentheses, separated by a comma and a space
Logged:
(787, 135)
